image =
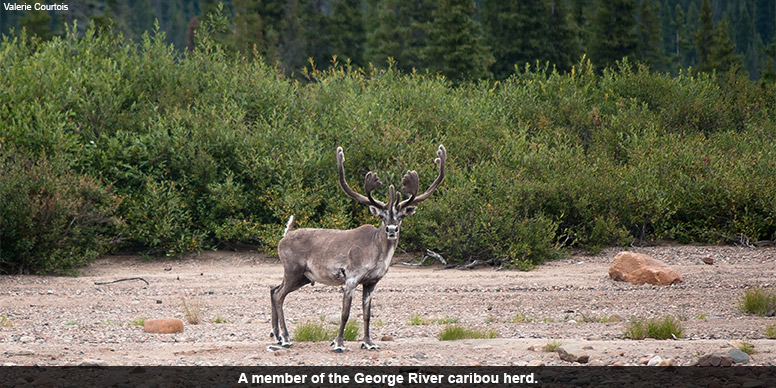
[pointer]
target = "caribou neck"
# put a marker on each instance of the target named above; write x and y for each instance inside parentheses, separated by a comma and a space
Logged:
(387, 246)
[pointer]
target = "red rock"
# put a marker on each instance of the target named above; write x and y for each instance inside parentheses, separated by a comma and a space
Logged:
(639, 268)
(163, 326)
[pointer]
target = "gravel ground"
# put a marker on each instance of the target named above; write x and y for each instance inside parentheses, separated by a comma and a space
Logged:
(72, 321)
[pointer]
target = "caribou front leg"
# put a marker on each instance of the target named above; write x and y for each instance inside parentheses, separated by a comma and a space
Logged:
(367, 308)
(347, 299)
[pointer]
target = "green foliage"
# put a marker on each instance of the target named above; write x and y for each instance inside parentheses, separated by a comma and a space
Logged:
(758, 301)
(770, 331)
(164, 153)
(666, 328)
(52, 218)
(459, 332)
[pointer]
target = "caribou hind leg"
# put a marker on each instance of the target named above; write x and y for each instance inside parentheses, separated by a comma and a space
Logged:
(278, 294)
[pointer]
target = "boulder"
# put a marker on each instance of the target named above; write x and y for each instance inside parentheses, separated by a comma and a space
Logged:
(163, 326)
(638, 268)
(573, 353)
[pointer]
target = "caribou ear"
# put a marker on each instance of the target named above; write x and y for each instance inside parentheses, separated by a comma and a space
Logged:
(409, 210)
(375, 211)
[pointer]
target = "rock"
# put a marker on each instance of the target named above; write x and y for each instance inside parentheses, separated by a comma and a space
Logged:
(92, 362)
(163, 326)
(654, 361)
(738, 356)
(667, 362)
(573, 353)
(386, 338)
(708, 260)
(420, 356)
(535, 363)
(637, 268)
(26, 338)
(596, 363)
(715, 359)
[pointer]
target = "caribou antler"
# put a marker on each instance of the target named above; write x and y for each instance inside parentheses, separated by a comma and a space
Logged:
(371, 182)
(410, 181)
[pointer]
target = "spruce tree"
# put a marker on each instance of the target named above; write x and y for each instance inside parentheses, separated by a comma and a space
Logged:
(399, 30)
(703, 37)
(36, 23)
(518, 33)
(649, 35)
(563, 37)
(613, 34)
(345, 32)
(456, 46)
(723, 56)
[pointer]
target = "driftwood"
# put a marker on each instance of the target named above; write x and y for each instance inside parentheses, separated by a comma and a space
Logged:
(121, 280)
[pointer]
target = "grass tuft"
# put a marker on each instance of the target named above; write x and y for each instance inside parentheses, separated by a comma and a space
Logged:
(758, 301)
(666, 328)
(552, 346)
(458, 332)
(5, 322)
(770, 331)
(139, 321)
(315, 332)
(417, 320)
(192, 312)
(746, 347)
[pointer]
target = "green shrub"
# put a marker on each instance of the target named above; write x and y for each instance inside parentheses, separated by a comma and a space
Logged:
(458, 332)
(52, 219)
(201, 149)
(758, 301)
(666, 328)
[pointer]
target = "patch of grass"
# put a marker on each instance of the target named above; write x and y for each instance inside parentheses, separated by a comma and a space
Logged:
(378, 322)
(72, 323)
(458, 332)
(5, 322)
(770, 331)
(139, 321)
(220, 320)
(666, 328)
(351, 331)
(758, 301)
(552, 346)
(315, 332)
(521, 317)
(191, 311)
(417, 320)
(746, 347)
(447, 321)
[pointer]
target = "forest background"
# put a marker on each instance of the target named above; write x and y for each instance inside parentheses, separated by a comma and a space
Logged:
(166, 127)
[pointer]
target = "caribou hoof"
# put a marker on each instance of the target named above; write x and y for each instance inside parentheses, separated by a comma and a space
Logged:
(367, 346)
(285, 344)
(339, 349)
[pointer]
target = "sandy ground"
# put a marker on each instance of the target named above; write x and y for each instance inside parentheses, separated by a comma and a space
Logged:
(71, 321)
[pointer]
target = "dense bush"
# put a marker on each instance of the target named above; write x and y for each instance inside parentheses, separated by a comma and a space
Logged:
(199, 150)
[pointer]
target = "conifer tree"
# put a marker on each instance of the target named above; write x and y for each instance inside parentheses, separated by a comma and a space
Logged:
(563, 37)
(345, 32)
(400, 32)
(518, 33)
(703, 36)
(650, 35)
(613, 34)
(456, 48)
(36, 23)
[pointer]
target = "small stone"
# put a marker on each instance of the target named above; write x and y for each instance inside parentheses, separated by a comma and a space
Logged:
(163, 326)
(654, 361)
(386, 338)
(644, 360)
(535, 363)
(708, 260)
(420, 356)
(738, 356)
(596, 363)
(573, 353)
(26, 338)
(92, 362)
(666, 362)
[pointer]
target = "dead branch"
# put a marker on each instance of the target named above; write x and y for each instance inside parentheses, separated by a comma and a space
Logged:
(121, 280)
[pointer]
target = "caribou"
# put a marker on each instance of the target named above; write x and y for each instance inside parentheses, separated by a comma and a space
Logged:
(348, 258)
